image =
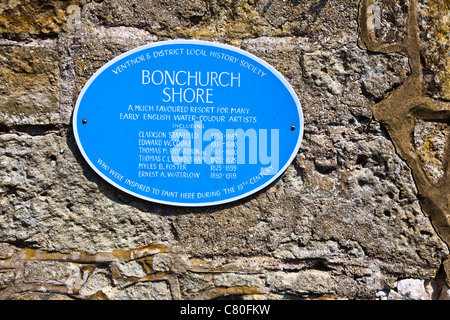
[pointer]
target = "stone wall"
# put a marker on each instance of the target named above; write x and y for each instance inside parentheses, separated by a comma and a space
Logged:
(362, 212)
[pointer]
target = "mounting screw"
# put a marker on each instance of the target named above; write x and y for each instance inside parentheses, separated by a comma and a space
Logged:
(292, 128)
(84, 121)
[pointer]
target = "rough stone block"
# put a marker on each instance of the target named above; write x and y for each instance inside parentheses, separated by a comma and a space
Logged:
(6, 278)
(51, 272)
(49, 196)
(429, 140)
(230, 19)
(162, 262)
(237, 280)
(434, 24)
(7, 251)
(83, 58)
(22, 17)
(29, 86)
(145, 291)
(96, 282)
(131, 269)
(304, 282)
(193, 282)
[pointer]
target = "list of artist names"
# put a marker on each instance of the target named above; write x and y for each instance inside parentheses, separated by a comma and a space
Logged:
(173, 152)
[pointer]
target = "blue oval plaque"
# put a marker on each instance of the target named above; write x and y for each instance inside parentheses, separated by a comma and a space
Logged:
(188, 123)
